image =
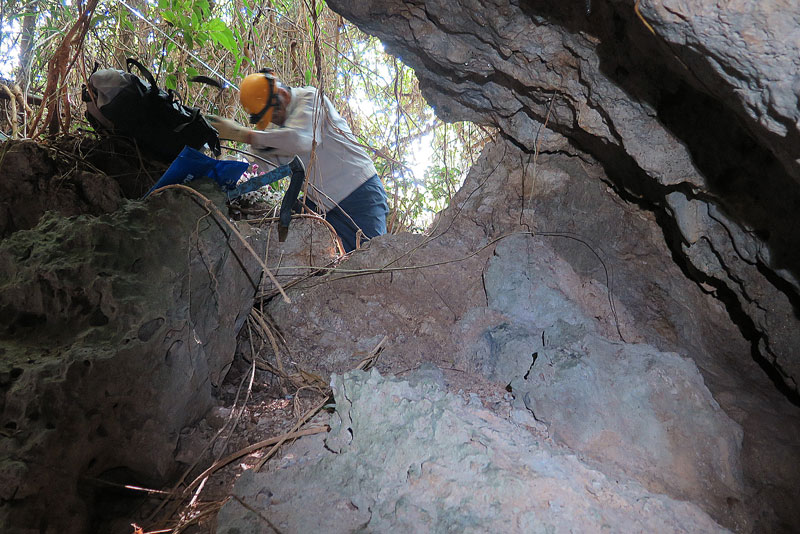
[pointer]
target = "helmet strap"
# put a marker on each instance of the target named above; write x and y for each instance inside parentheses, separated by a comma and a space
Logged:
(272, 101)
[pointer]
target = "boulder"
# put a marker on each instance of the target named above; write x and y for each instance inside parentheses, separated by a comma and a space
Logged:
(116, 331)
(690, 107)
(403, 458)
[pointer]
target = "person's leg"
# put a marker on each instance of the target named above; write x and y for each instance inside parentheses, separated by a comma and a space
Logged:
(367, 207)
(336, 220)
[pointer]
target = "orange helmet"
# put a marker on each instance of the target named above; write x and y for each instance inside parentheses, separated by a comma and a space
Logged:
(258, 97)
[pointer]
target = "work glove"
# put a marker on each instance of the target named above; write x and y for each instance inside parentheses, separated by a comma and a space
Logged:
(229, 129)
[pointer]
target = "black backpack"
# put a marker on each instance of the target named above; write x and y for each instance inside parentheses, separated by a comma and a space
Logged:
(121, 103)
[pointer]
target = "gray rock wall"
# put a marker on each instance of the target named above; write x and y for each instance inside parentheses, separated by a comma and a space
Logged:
(482, 295)
(403, 458)
(623, 404)
(116, 330)
(697, 123)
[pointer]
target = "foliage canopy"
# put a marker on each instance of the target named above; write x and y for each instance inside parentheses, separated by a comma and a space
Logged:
(50, 47)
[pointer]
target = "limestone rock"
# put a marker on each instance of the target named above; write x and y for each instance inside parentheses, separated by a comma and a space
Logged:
(745, 54)
(32, 185)
(703, 109)
(116, 330)
(482, 290)
(402, 458)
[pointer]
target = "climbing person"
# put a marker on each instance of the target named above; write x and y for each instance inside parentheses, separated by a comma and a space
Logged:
(289, 121)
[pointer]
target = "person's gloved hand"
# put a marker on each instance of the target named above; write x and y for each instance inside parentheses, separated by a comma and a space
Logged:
(229, 129)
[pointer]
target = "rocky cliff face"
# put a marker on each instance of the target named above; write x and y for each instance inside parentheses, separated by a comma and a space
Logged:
(614, 290)
(119, 321)
(690, 107)
(593, 329)
(110, 346)
(657, 204)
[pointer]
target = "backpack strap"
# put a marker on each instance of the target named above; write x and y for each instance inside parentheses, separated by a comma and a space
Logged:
(193, 116)
(148, 76)
(298, 171)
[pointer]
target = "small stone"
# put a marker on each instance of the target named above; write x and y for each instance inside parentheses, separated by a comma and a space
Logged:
(218, 416)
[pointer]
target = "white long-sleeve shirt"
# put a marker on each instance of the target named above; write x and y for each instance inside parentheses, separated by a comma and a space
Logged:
(339, 166)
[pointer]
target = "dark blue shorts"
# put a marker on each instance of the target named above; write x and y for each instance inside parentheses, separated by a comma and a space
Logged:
(367, 207)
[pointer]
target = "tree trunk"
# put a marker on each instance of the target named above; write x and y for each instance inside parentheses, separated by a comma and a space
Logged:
(125, 45)
(26, 43)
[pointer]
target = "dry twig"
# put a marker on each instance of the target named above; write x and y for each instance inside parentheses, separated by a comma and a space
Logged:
(364, 365)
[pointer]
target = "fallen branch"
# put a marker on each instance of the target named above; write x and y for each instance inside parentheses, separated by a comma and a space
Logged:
(55, 92)
(254, 447)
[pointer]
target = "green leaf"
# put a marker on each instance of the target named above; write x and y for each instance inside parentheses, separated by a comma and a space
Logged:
(171, 82)
(238, 67)
(22, 15)
(221, 34)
